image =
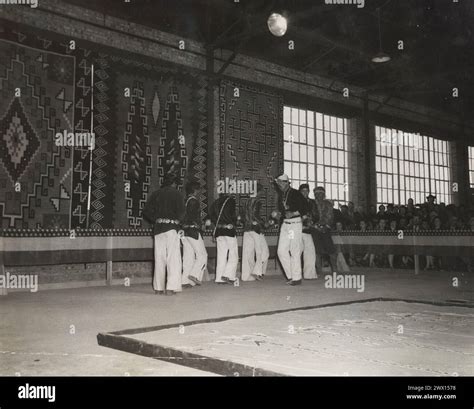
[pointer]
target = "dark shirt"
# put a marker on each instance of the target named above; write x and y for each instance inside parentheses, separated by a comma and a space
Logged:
(192, 218)
(294, 200)
(311, 213)
(228, 215)
(165, 203)
(251, 215)
(324, 213)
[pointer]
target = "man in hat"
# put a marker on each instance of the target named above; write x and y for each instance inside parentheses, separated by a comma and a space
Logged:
(194, 249)
(222, 214)
(324, 221)
(309, 252)
(292, 207)
(165, 208)
(431, 206)
(255, 251)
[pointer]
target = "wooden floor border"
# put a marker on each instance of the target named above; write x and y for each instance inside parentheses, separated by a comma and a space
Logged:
(118, 340)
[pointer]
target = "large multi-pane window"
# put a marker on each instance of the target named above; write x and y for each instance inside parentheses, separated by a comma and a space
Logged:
(316, 151)
(471, 165)
(411, 165)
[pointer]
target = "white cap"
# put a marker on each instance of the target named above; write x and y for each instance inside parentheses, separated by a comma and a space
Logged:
(283, 177)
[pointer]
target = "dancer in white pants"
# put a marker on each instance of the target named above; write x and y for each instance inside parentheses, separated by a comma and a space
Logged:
(227, 259)
(194, 250)
(290, 247)
(290, 244)
(309, 257)
(165, 208)
(255, 251)
(222, 213)
(255, 255)
(167, 260)
(194, 260)
(309, 251)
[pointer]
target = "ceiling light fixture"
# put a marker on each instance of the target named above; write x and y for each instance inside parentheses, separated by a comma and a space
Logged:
(277, 24)
(380, 57)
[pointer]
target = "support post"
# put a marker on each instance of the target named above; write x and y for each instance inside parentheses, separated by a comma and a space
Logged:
(416, 259)
(108, 272)
(3, 291)
(109, 262)
(369, 138)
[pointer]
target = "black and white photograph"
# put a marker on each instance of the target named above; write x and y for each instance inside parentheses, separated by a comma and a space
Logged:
(237, 188)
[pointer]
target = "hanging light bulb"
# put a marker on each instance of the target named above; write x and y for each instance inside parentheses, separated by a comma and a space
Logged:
(277, 24)
(380, 56)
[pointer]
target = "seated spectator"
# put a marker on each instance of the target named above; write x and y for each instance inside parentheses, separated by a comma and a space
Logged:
(390, 210)
(372, 211)
(415, 224)
(359, 215)
(453, 223)
(351, 208)
(437, 224)
(403, 223)
(402, 211)
(381, 213)
(373, 223)
(470, 225)
(433, 215)
(362, 225)
(425, 224)
(346, 220)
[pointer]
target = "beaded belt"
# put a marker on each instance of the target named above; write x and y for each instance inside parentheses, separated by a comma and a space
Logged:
(293, 220)
(167, 221)
(225, 226)
(190, 226)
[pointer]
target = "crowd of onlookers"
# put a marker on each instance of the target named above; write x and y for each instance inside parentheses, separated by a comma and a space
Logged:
(428, 216)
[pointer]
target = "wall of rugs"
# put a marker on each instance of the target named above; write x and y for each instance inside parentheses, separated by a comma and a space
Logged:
(148, 119)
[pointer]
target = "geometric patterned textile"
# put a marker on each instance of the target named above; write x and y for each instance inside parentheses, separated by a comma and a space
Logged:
(251, 139)
(161, 126)
(136, 157)
(36, 86)
(19, 140)
(172, 153)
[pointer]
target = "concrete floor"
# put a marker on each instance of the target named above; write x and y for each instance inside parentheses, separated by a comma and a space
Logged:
(54, 332)
(357, 339)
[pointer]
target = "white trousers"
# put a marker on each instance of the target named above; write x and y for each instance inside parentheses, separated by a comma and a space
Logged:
(309, 257)
(255, 255)
(290, 246)
(167, 262)
(227, 258)
(194, 259)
